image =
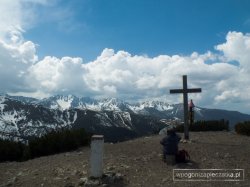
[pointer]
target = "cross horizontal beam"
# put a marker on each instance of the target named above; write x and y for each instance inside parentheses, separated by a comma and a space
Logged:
(190, 90)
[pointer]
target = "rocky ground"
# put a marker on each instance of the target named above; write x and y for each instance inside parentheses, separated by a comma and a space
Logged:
(134, 163)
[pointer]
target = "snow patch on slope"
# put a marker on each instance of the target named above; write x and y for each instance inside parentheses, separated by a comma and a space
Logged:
(75, 117)
(2, 100)
(158, 105)
(93, 107)
(64, 104)
(198, 111)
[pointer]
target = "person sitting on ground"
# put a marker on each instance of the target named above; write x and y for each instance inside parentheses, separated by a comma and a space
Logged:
(170, 144)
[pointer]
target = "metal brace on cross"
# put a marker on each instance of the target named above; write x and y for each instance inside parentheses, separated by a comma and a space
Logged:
(185, 92)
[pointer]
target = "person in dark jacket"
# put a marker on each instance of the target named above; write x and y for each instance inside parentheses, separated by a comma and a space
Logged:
(170, 143)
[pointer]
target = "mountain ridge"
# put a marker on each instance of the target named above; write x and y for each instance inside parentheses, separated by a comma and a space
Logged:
(27, 117)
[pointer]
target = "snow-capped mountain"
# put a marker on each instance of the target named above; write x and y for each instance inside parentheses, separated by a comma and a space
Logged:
(109, 104)
(21, 121)
(62, 102)
(23, 99)
(23, 117)
(69, 102)
(158, 105)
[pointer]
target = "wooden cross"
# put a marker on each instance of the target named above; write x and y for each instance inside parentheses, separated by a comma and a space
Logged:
(185, 92)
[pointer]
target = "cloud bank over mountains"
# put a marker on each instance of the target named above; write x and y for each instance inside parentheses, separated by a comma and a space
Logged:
(120, 74)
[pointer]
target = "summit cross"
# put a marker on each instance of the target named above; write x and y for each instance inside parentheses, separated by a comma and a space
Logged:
(185, 90)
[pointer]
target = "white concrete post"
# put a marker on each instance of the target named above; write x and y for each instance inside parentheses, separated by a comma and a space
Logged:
(96, 157)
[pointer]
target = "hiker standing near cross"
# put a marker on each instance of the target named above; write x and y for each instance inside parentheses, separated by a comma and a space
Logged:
(185, 92)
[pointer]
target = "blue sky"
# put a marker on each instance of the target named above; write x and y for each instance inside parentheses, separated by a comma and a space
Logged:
(130, 49)
(149, 27)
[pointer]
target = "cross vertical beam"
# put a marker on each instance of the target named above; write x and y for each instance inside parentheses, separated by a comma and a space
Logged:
(185, 107)
(185, 92)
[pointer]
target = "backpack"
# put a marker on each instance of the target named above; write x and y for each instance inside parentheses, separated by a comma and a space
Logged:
(182, 156)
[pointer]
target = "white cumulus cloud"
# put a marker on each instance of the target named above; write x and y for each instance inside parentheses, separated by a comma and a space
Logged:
(16, 57)
(53, 75)
(237, 47)
(120, 74)
(123, 75)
